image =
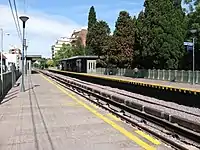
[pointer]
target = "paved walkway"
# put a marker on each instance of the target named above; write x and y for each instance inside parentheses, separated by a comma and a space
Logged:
(47, 117)
(158, 82)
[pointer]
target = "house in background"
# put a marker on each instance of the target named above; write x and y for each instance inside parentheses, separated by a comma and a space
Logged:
(79, 35)
(13, 57)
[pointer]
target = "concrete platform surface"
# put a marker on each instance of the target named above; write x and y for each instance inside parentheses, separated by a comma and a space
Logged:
(187, 86)
(48, 117)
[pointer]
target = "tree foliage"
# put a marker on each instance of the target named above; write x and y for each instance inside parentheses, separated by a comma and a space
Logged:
(91, 18)
(123, 40)
(50, 63)
(91, 22)
(153, 40)
(100, 31)
(163, 34)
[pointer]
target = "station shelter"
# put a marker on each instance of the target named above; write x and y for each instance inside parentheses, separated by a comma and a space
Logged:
(82, 64)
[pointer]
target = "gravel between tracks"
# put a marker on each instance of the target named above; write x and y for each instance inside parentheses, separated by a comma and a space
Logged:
(150, 99)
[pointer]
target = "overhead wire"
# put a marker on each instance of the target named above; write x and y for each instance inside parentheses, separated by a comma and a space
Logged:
(15, 6)
(16, 22)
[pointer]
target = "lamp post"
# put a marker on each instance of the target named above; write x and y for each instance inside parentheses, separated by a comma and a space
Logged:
(23, 19)
(193, 56)
(25, 57)
(2, 61)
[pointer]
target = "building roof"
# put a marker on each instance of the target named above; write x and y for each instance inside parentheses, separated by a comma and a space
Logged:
(33, 57)
(79, 57)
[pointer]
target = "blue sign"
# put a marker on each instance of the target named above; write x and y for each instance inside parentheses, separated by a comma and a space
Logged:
(188, 43)
(189, 46)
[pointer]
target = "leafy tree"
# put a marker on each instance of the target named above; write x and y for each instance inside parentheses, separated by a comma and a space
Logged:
(138, 55)
(91, 22)
(50, 63)
(124, 40)
(91, 18)
(42, 63)
(100, 33)
(164, 31)
(64, 52)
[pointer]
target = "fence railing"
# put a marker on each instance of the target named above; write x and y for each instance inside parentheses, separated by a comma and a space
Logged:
(165, 75)
(9, 79)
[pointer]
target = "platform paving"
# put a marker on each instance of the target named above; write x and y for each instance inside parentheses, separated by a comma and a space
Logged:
(45, 118)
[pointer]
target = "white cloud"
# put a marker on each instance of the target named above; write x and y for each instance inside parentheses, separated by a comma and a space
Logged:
(42, 30)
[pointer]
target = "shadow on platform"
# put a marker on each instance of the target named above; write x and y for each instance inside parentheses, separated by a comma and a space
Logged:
(32, 87)
(34, 72)
(9, 96)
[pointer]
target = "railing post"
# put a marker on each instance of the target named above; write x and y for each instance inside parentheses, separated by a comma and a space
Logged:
(175, 75)
(169, 77)
(163, 74)
(149, 73)
(158, 74)
(182, 75)
(153, 74)
(189, 76)
(197, 77)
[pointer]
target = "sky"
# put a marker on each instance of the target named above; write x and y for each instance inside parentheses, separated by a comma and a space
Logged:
(51, 19)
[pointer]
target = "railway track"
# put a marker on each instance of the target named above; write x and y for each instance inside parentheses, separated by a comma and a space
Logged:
(122, 110)
(134, 97)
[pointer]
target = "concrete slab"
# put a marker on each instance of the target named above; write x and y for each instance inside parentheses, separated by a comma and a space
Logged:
(44, 117)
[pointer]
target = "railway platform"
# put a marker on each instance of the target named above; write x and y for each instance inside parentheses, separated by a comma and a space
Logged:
(47, 116)
(177, 85)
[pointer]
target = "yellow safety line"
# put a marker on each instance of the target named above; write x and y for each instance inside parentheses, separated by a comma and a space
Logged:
(148, 137)
(132, 81)
(72, 104)
(113, 124)
(93, 105)
(113, 117)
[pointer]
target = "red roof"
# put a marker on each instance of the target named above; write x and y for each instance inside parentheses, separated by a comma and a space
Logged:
(4, 57)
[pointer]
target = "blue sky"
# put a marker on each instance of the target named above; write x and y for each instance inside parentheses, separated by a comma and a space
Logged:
(51, 19)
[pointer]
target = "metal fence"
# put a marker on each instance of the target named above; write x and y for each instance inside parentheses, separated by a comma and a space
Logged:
(166, 75)
(9, 79)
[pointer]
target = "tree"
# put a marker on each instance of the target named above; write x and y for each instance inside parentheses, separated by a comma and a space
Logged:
(91, 22)
(164, 31)
(138, 55)
(124, 40)
(64, 52)
(100, 33)
(91, 18)
(50, 63)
